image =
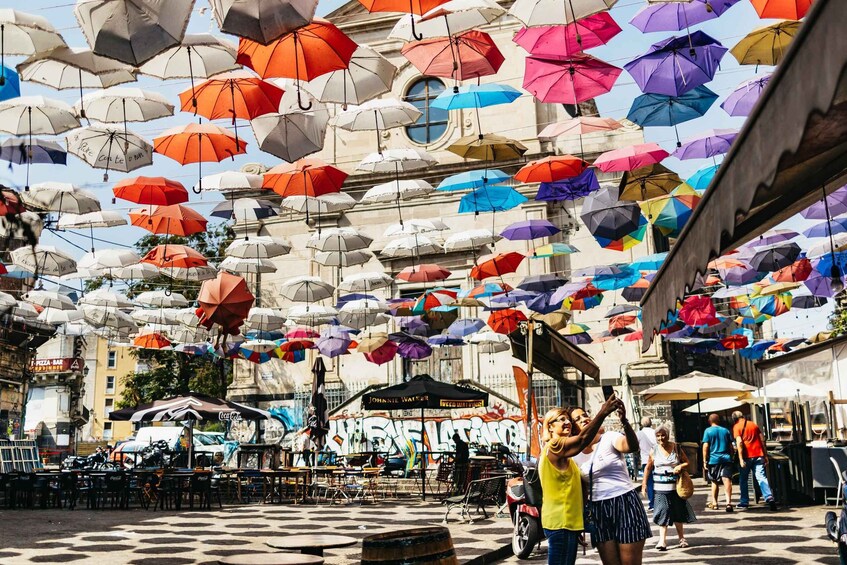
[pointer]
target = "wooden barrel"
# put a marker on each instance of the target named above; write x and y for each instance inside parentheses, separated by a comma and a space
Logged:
(415, 546)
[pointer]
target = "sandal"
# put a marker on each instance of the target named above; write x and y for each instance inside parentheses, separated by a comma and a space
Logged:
(683, 544)
(729, 508)
(661, 548)
(711, 506)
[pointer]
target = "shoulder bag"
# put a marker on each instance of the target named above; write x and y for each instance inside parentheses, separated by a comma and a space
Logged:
(532, 485)
(588, 523)
(684, 484)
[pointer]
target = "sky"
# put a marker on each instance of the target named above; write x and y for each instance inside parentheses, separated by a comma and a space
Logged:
(728, 29)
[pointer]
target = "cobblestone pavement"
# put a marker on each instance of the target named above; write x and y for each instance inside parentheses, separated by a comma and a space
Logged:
(756, 536)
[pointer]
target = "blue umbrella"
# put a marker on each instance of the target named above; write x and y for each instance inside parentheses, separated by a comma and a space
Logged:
(628, 276)
(471, 180)
(664, 110)
(702, 178)
(476, 96)
(543, 303)
(836, 225)
(445, 339)
(342, 300)
(465, 327)
(11, 87)
(491, 199)
(18, 151)
(569, 189)
(649, 262)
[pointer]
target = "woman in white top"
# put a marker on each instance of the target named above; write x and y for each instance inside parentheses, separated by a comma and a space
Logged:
(619, 519)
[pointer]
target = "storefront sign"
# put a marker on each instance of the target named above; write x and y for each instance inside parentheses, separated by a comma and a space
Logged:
(57, 365)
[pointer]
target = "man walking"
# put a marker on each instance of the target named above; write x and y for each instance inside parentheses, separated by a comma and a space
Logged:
(717, 456)
(753, 455)
(646, 443)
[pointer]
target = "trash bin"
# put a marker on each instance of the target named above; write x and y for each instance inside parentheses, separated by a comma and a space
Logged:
(692, 451)
(778, 477)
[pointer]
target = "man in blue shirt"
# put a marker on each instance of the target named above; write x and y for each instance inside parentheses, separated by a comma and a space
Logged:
(717, 454)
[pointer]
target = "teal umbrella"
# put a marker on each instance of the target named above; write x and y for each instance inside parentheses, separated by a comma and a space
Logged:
(491, 199)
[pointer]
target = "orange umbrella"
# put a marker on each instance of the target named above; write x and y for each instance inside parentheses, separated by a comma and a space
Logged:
(174, 256)
(226, 300)
(426, 272)
(551, 169)
(198, 143)
(795, 272)
(10, 203)
(502, 264)
(151, 191)
(170, 220)
(782, 9)
(151, 341)
(472, 54)
(306, 177)
(303, 54)
(505, 321)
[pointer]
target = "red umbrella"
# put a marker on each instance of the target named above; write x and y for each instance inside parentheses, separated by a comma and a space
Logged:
(505, 321)
(621, 321)
(569, 81)
(426, 272)
(306, 177)
(698, 311)
(10, 203)
(171, 220)
(383, 354)
(562, 41)
(502, 264)
(782, 9)
(174, 256)
(226, 301)
(3, 269)
(151, 191)
(630, 158)
(151, 341)
(634, 336)
(735, 342)
(798, 271)
(551, 169)
(472, 54)
(419, 7)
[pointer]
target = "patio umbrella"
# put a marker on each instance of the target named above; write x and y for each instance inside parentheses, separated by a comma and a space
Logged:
(678, 16)
(470, 240)
(571, 188)
(488, 147)
(630, 158)
(568, 81)
(547, 12)
(46, 299)
(306, 289)
(323, 204)
(551, 169)
(109, 148)
(365, 282)
(36, 115)
(368, 75)
(412, 246)
(473, 180)
(677, 65)
(710, 143)
(132, 31)
(782, 9)
(447, 18)
(555, 41)
(426, 272)
(157, 191)
(397, 190)
(652, 181)
(302, 54)
(662, 110)
(225, 301)
(198, 143)
(121, 105)
(262, 21)
(472, 54)
(232, 181)
(766, 45)
(258, 247)
(741, 101)
(25, 34)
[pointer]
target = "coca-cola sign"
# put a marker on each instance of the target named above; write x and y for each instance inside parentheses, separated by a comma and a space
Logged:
(229, 416)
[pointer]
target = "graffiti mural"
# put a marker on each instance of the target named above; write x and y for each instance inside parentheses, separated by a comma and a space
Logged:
(353, 433)
(286, 420)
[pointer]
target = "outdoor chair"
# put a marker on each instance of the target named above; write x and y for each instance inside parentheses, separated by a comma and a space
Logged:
(147, 490)
(167, 491)
(250, 484)
(63, 491)
(22, 490)
(114, 491)
(444, 477)
(479, 494)
(200, 485)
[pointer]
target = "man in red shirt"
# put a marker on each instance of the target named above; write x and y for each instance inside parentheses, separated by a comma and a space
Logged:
(753, 456)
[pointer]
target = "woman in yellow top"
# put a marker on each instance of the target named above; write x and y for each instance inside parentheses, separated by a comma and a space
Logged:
(561, 484)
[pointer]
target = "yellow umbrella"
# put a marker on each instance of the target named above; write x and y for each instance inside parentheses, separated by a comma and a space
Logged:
(556, 320)
(488, 147)
(649, 182)
(653, 207)
(779, 288)
(766, 45)
(820, 337)
(372, 342)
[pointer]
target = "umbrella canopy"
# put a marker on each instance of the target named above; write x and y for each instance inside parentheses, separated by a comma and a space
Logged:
(766, 45)
(663, 110)
(109, 148)
(101, 219)
(306, 289)
(787, 387)
(422, 391)
(368, 75)
(36, 115)
(714, 405)
(232, 181)
(741, 101)
(63, 68)
(262, 21)
(491, 199)
(472, 54)
(557, 41)
(60, 197)
(174, 256)
(132, 31)
(488, 147)
(696, 386)
(630, 158)
(151, 191)
(199, 55)
(365, 282)
(427, 272)
(551, 169)
(549, 12)
(497, 266)
(678, 16)
(292, 135)
(782, 9)
(43, 260)
(171, 220)
(338, 239)
(236, 94)
(470, 239)
(446, 19)
(529, 229)
(193, 407)
(244, 209)
(226, 301)
(569, 188)
(25, 34)
(569, 81)
(710, 143)
(607, 217)
(119, 104)
(306, 177)
(197, 143)
(580, 126)
(258, 247)
(649, 182)
(19, 151)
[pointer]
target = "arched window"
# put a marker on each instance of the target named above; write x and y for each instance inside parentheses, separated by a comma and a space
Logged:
(433, 123)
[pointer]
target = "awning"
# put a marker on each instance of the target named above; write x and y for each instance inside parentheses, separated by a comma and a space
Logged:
(552, 353)
(793, 144)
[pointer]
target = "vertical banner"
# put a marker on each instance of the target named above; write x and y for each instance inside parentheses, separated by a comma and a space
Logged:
(522, 383)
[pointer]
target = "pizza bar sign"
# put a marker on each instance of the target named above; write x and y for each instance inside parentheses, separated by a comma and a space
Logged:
(56, 365)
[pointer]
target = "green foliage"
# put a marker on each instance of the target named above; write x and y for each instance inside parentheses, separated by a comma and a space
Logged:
(838, 320)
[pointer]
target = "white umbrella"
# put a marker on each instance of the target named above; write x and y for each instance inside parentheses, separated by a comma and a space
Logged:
(60, 197)
(396, 161)
(260, 345)
(132, 31)
(43, 260)
(311, 314)
(411, 247)
(106, 297)
(195, 274)
(58, 316)
(25, 34)
(342, 258)
(182, 334)
(230, 181)
(49, 299)
(362, 313)
(713, 405)
(109, 148)
(186, 317)
(365, 282)
(448, 19)
(470, 240)
(306, 289)
(555, 12)
(262, 20)
(90, 220)
(122, 105)
(323, 204)
(378, 114)
(154, 316)
(162, 299)
(7, 300)
(83, 274)
(398, 190)
(24, 310)
(411, 227)
(239, 265)
(490, 342)
(34, 115)
(258, 247)
(265, 319)
(137, 272)
(338, 239)
(291, 135)
(107, 259)
(367, 76)
(839, 242)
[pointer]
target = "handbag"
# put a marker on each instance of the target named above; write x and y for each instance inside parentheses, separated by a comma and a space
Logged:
(588, 525)
(532, 486)
(684, 484)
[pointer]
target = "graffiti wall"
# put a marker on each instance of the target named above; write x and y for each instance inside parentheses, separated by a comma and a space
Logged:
(286, 420)
(355, 432)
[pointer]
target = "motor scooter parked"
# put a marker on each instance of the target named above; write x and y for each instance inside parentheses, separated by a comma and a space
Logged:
(526, 518)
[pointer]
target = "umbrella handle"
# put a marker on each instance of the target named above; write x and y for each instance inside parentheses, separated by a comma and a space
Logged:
(3, 53)
(300, 102)
(415, 34)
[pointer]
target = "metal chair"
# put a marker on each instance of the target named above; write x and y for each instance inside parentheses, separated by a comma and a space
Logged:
(839, 496)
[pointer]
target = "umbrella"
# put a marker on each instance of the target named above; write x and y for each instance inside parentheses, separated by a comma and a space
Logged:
(161, 299)
(476, 96)
(262, 21)
(302, 54)
(806, 301)
(823, 229)
(411, 347)
(334, 341)
(244, 209)
(548, 12)
(418, 7)
(470, 240)
(782, 9)
(551, 169)
(473, 179)
(378, 114)
(90, 220)
(553, 250)
(835, 205)
(795, 272)
(25, 34)
(698, 311)
(108, 259)
(226, 301)
(258, 247)
(542, 283)
(670, 213)
(18, 151)
(774, 257)
(578, 126)
(606, 217)
(364, 282)
(151, 191)
(306, 177)
(198, 143)
(426, 272)
(648, 182)
(677, 65)
(232, 181)
(490, 342)
(664, 110)
(152, 341)
(488, 147)
(312, 314)
(61, 197)
(447, 18)
(171, 220)
(47, 299)
(630, 158)
(569, 188)
(471, 54)
(491, 199)
(122, 105)
(529, 229)
(292, 134)
(710, 143)
(505, 321)
(238, 265)
(106, 147)
(766, 45)
(398, 190)
(338, 239)
(174, 256)
(569, 81)
(772, 236)
(497, 266)
(413, 246)
(368, 75)
(678, 16)
(105, 297)
(306, 289)
(132, 31)
(383, 354)
(556, 41)
(741, 101)
(43, 260)
(323, 204)
(34, 115)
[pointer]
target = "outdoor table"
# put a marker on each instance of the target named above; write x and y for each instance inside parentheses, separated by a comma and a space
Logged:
(311, 544)
(275, 481)
(271, 559)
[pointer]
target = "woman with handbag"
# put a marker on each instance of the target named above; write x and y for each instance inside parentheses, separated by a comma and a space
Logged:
(669, 467)
(561, 484)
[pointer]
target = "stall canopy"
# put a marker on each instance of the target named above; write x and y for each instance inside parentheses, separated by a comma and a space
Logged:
(423, 391)
(552, 353)
(793, 146)
(195, 407)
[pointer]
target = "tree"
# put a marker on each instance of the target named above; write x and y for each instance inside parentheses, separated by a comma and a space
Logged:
(838, 318)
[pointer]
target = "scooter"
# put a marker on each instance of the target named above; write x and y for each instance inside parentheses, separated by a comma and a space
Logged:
(836, 527)
(526, 519)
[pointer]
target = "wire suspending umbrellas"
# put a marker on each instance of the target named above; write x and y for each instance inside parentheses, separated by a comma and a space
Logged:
(25, 34)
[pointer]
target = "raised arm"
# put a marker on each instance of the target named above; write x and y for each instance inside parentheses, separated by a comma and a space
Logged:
(564, 447)
(629, 442)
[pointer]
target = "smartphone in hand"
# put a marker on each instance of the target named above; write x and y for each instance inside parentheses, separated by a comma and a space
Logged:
(608, 391)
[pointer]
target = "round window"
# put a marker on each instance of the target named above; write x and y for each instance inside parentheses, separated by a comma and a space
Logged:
(433, 121)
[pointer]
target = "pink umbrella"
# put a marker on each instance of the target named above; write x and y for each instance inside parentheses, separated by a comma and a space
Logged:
(569, 81)
(630, 158)
(562, 41)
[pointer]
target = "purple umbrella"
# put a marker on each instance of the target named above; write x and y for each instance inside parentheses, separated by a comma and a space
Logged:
(333, 342)
(740, 103)
(529, 229)
(741, 275)
(823, 229)
(413, 325)
(677, 65)
(579, 339)
(410, 347)
(569, 189)
(819, 284)
(465, 327)
(772, 237)
(445, 339)
(675, 16)
(544, 303)
(513, 297)
(710, 143)
(837, 203)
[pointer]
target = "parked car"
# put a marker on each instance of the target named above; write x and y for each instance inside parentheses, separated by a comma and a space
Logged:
(208, 446)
